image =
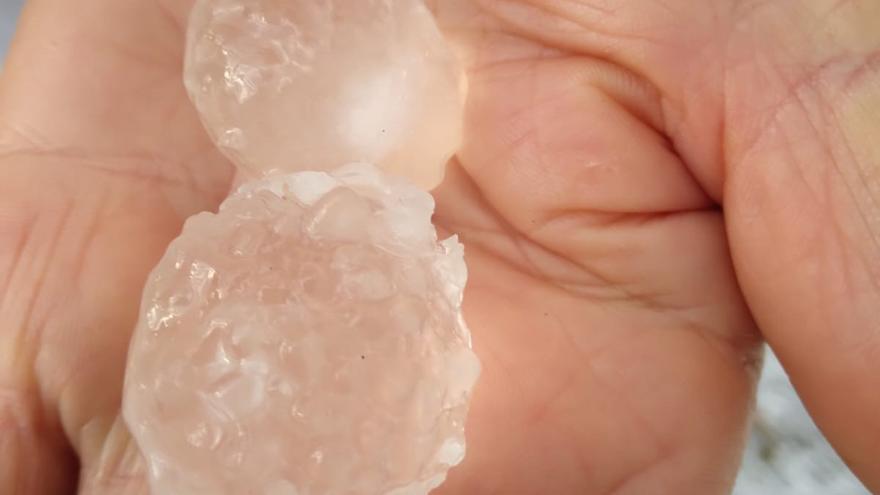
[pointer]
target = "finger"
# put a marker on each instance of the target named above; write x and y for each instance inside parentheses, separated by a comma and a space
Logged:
(804, 213)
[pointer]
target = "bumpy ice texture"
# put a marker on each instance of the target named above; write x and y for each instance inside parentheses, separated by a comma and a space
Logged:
(328, 82)
(305, 340)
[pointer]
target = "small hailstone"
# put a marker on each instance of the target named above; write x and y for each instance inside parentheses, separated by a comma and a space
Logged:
(305, 340)
(290, 85)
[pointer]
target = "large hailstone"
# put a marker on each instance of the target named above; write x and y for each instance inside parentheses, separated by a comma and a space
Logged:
(305, 340)
(289, 85)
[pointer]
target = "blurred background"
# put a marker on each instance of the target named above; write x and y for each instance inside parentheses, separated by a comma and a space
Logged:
(786, 454)
(8, 14)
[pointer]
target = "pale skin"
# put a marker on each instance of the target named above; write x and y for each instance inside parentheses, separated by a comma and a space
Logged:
(647, 190)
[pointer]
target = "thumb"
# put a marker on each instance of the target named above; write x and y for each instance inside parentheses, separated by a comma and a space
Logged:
(803, 210)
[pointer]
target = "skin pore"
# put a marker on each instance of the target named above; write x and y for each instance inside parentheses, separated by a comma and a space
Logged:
(646, 190)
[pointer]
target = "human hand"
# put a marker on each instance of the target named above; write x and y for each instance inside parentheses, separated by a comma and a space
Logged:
(602, 140)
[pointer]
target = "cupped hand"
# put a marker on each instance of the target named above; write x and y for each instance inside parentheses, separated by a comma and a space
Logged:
(640, 183)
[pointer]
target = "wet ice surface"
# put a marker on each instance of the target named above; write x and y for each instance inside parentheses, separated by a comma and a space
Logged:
(305, 340)
(308, 338)
(296, 85)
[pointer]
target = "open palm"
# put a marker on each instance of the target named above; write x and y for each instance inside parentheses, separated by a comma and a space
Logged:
(602, 139)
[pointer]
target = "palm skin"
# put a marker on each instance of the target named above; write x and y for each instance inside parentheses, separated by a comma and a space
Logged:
(602, 140)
